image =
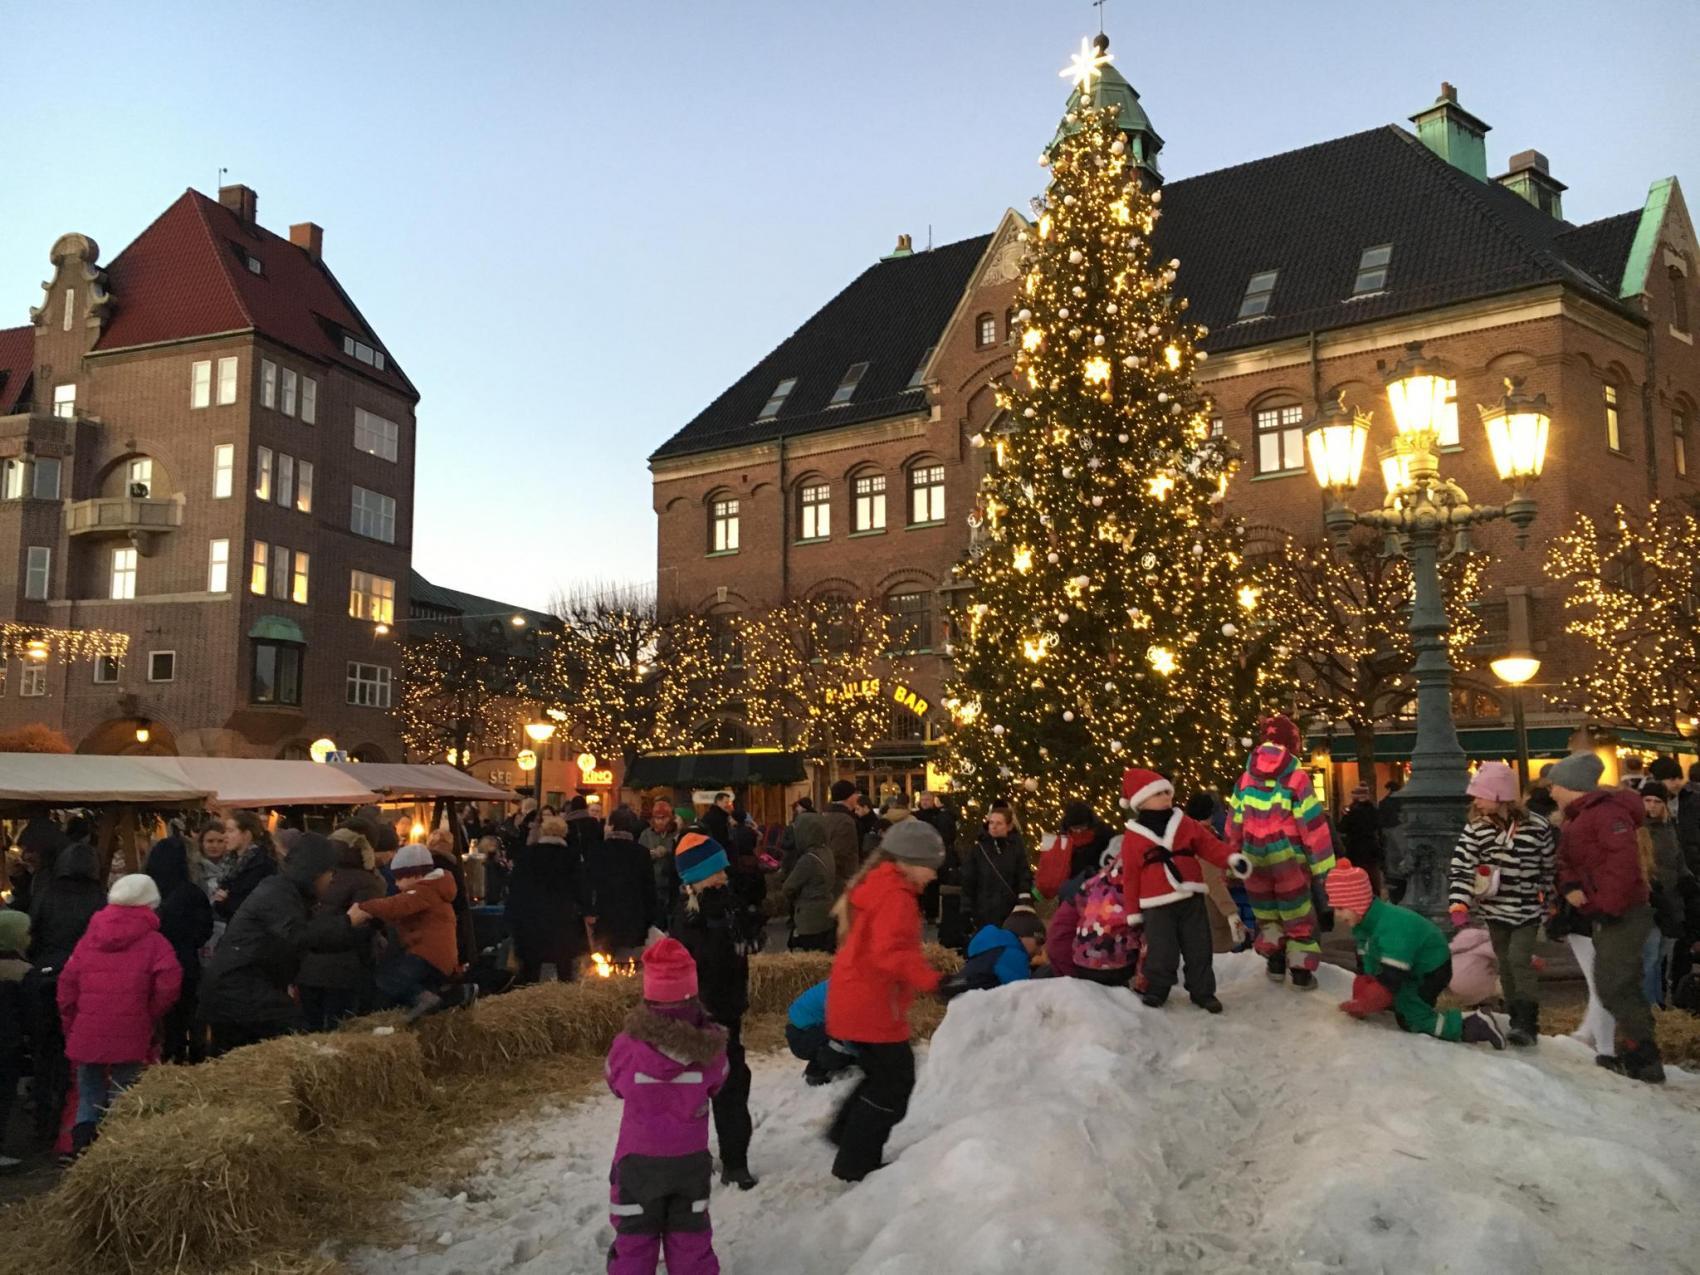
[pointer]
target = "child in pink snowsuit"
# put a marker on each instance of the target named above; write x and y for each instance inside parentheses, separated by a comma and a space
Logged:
(667, 1064)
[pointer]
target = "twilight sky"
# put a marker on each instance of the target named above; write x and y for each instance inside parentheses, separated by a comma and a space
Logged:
(575, 224)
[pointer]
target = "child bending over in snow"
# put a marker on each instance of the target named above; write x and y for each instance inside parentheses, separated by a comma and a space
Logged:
(875, 975)
(805, 1033)
(1405, 961)
(667, 1064)
(422, 911)
(999, 954)
(1162, 851)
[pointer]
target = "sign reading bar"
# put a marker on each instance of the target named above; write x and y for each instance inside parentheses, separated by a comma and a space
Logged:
(869, 688)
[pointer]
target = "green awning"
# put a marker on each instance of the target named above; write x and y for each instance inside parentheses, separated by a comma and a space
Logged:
(275, 628)
(1483, 743)
(720, 768)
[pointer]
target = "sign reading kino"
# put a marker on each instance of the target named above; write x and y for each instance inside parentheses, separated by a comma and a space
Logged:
(869, 688)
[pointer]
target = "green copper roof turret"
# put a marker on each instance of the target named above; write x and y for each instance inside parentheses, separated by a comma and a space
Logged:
(1110, 88)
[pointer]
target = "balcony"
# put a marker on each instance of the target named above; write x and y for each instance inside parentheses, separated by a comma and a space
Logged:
(141, 518)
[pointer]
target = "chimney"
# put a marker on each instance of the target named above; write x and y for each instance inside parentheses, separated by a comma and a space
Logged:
(242, 201)
(905, 248)
(1454, 134)
(1529, 178)
(309, 235)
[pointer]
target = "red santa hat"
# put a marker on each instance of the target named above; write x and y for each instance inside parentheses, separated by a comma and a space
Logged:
(1278, 728)
(1142, 785)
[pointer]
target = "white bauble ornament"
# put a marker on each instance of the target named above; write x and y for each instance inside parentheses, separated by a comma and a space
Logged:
(1112, 308)
(1130, 361)
(997, 730)
(978, 440)
(1156, 196)
(1044, 161)
(1115, 745)
(1121, 438)
(1062, 312)
(1174, 263)
(1245, 741)
(1067, 471)
(1068, 715)
(1230, 629)
(1025, 315)
(1029, 412)
(1109, 686)
(1174, 409)
(1079, 291)
(1075, 256)
(1062, 617)
(1097, 501)
(1030, 784)
(1162, 396)
(1098, 340)
(1118, 146)
(1053, 557)
(1068, 201)
(1201, 355)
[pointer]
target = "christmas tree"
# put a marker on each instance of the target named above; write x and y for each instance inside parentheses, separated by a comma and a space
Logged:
(1104, 626)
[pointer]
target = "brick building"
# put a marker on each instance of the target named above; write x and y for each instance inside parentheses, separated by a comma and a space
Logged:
(844, 460)
(204, 446)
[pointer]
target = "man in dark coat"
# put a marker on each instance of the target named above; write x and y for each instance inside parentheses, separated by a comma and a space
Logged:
(59, 914)
(186, 922)
(842, 834)
(622, 884)
(1361, 837)
(940, 816)
(549, 901)
(338, 985)
(245, 993)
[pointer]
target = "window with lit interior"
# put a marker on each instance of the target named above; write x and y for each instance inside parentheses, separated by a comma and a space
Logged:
(1279, 432)
(868, 503)
(723, 525)
(926, 494)
(814, 511)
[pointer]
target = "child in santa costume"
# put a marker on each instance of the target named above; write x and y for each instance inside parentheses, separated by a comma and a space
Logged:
(1278, 823)
(1406, 964)
(1161, 853)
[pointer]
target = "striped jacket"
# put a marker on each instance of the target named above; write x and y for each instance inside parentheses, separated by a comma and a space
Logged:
(1526, 856)
(1275, 815)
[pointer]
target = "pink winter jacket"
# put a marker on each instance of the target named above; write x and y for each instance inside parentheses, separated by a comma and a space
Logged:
(121, 979)
(1475, 972)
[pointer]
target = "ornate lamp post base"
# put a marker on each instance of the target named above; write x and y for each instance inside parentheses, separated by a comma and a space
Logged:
(1428, 831)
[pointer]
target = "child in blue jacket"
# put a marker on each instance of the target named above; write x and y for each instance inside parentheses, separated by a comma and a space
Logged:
(805, 1033)
(999, 954)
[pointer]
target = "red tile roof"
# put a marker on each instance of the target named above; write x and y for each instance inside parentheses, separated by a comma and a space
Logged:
(187, 275)
(17, 363)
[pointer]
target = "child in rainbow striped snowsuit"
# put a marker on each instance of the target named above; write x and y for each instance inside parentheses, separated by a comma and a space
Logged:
(1277, 821)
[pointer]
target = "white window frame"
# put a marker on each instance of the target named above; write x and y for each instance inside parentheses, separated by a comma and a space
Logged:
(1679, 441)
(868, 504)
(304, 486)
(263, 472)
(1374, 264)
(32, 679)
(287, 403)
(1284, 425)
(111, 664)
(724, 525)
(776, 400)
(139, 472)
(123, 576)
(259, 568)
(369, 685)
(227, 371)
(13, 478)
(1259, 292)
(985, 331)
(224, 470)
(218, 566)
(285, 480)
(280, 573)
(38, 572)
(200, 383)
(268, 383)
(1614, 422)
(847, 387)
(926, 494)
(371, 597)
(171, 673)
(376, 435)
(814, 511)
(309, 400)
(298, 590)
(372, 514)
(65, 401)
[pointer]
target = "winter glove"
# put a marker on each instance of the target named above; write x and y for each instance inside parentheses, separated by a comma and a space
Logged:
(1459, 915)
(1369, 996)
(1237, 931)
(1240, 866)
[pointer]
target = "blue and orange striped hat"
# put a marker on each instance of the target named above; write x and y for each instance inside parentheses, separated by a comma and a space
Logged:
(698, 857)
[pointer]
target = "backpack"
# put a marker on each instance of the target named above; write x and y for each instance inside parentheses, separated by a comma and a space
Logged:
(1108, 935)
(1054, 865)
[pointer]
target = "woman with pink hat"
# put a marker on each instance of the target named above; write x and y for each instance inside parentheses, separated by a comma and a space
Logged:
(1503, 867)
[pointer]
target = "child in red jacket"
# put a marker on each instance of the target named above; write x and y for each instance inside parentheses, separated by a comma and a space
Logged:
(1161, 853)
(875, 975)
(121, 979)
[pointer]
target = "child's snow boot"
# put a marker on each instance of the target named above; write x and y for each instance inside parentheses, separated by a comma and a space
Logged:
(1637, 1061)
(1209, 1004)
(1479, 1028)
(1277, 963)
(1525, 1024)
(1304, 980)
(1154, 999)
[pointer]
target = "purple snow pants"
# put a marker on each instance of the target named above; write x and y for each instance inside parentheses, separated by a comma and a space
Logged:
(661, 1202)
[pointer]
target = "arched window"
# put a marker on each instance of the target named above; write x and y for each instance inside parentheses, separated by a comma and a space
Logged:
(867, 501)
(814, 509)
(725, 638)
(910, 608)
(1614, 422)
(926, 493)
(985, 331)
(723, 521)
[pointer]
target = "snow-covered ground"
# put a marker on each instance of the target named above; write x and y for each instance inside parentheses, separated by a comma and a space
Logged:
(1060, 1126)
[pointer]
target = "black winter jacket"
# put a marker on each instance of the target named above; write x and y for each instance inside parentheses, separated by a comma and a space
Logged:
(713, 934)
(994, 874)
(623, 885)
(348, 968)
(548, 899)
(61, 912)
(254, 866)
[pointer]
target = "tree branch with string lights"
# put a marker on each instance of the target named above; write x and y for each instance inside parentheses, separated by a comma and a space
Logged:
(1105, 623)
(1632, 598)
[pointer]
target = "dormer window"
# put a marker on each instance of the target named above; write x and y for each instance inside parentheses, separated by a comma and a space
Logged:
(359, 350)
(921, 369)
(254, 266)
(847, 387)
(1372, 270)
(776, 400)
(1257, 294)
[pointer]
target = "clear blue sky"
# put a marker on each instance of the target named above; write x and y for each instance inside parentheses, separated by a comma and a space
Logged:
(574, 224)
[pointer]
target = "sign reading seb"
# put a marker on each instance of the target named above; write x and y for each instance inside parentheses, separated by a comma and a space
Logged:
(869, 688)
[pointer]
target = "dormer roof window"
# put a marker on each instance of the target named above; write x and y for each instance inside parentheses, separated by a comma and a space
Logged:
(1372, 270)
(776, 400)
(1258, 292)
(847, 387)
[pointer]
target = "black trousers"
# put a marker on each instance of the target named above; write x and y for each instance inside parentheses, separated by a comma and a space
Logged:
(228, 1036)
(732, 1103)
(825, 941)
(874, 1108)
(182, 1039)
(325, 1007)
(1175, 931)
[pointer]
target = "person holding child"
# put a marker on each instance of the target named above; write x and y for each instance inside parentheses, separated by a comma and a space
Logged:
(1503, 865)
(667, 1064)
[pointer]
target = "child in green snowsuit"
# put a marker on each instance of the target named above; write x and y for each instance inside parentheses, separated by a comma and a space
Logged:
(1406, 963)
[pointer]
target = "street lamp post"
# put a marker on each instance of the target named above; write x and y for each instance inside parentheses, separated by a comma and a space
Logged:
(1514, 670)
(540, 733)
(1426, 517)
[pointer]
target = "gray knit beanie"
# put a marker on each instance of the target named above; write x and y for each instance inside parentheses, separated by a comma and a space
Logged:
(1579, 772)
(912, 841)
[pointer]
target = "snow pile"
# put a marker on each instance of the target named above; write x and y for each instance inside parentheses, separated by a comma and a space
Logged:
(1063, 1124)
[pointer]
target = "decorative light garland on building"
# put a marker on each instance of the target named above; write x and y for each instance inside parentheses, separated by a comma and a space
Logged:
(39, 643)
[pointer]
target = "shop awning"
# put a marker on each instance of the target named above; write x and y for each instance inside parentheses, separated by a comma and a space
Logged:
(250, 782)
(396, 782)
(716, 768)
(1487, 743)
(53, 779)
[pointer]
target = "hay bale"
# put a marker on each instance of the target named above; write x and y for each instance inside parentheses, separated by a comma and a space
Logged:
(532, 1022)
(199, 1187)
(778, 978)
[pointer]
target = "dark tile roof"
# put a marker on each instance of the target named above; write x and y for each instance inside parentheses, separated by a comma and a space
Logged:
(888, 317)
(434, 601)
(1308, 214)
(17, 366)
(186, 275)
